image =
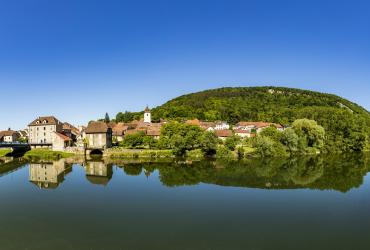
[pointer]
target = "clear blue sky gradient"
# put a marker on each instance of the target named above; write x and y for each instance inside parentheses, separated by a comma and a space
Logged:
(78, 59)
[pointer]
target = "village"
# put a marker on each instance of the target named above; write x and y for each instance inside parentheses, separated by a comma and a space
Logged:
(50, 133)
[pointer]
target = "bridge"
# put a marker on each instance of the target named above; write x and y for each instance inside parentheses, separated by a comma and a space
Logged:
(17, 147)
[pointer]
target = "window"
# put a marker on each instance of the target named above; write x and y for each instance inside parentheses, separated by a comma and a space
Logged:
(44, 128)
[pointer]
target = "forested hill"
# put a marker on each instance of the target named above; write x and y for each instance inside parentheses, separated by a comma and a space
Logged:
(347, 124)
(274, 104)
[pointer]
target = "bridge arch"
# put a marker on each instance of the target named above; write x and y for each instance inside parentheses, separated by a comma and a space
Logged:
(97, 152)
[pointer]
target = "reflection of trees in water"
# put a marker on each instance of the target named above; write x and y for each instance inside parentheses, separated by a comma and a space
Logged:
(343, 172)
(337, 172)
(303, 171)
(132, 169)
(340, 172)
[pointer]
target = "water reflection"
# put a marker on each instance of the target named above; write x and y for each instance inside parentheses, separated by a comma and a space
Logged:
(335, 172)
(48, 175)
(98, 172)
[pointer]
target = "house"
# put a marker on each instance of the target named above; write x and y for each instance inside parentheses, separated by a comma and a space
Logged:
(221, 125)
(154, 132)
(9, 136)
(23, 134)
(119, 131)
(98, 135)
(256, 127)
(152, 129)
(61, 142)
(209, 126)
(42, 131)
(81, 136)
(243, 133)
(223, 134)
(70, 131)
(146, 126)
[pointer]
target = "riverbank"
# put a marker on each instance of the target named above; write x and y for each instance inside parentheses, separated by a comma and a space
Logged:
(4, 152)
(46, 154)
(138, 153)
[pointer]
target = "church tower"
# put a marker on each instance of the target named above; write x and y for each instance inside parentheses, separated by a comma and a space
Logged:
(147, 115)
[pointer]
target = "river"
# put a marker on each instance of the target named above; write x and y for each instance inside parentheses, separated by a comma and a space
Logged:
(304, 203)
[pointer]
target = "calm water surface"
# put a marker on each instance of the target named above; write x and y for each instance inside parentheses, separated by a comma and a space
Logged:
(307, 203)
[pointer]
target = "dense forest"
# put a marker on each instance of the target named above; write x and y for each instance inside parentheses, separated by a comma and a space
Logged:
(347, 125)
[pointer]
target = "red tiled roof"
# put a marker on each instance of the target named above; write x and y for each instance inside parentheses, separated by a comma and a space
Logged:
(193, 122)
(67, 126)
(224, 133)
(7, 133)
(63, 137)
(119, 129)
(153, 132)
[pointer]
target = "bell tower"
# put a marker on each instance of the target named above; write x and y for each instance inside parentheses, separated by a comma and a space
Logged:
(147, 115)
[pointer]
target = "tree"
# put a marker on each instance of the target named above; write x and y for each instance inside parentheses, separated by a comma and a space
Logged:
(133, 140)
(271, 132)
(149, 141)
(309, 130)
(208, 143)
(106, 118)
(232, 142)
(290, 139)
(182, 137)
(125, 117)
(267, 147)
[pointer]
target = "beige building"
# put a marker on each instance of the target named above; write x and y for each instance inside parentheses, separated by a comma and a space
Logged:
(9, 136)
(48, 175)
(98, 135)
(60, 142)
(42, 130)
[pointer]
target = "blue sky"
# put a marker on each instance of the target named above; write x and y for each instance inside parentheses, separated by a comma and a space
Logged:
(79, 59)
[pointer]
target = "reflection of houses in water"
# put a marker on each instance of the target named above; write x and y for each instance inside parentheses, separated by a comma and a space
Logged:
(48, 174)
(97, 172)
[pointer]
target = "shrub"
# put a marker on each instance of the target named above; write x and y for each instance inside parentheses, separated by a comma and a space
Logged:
(195, 154)
(223, 152)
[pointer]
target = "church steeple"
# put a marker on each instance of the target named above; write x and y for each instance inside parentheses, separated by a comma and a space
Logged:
(147, 115)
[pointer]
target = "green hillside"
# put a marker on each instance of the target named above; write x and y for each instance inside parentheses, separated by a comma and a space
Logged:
(347, 124)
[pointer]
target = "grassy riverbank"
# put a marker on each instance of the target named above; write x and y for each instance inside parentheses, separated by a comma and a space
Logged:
(138, 153)
(4, 152)
(46, 154)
